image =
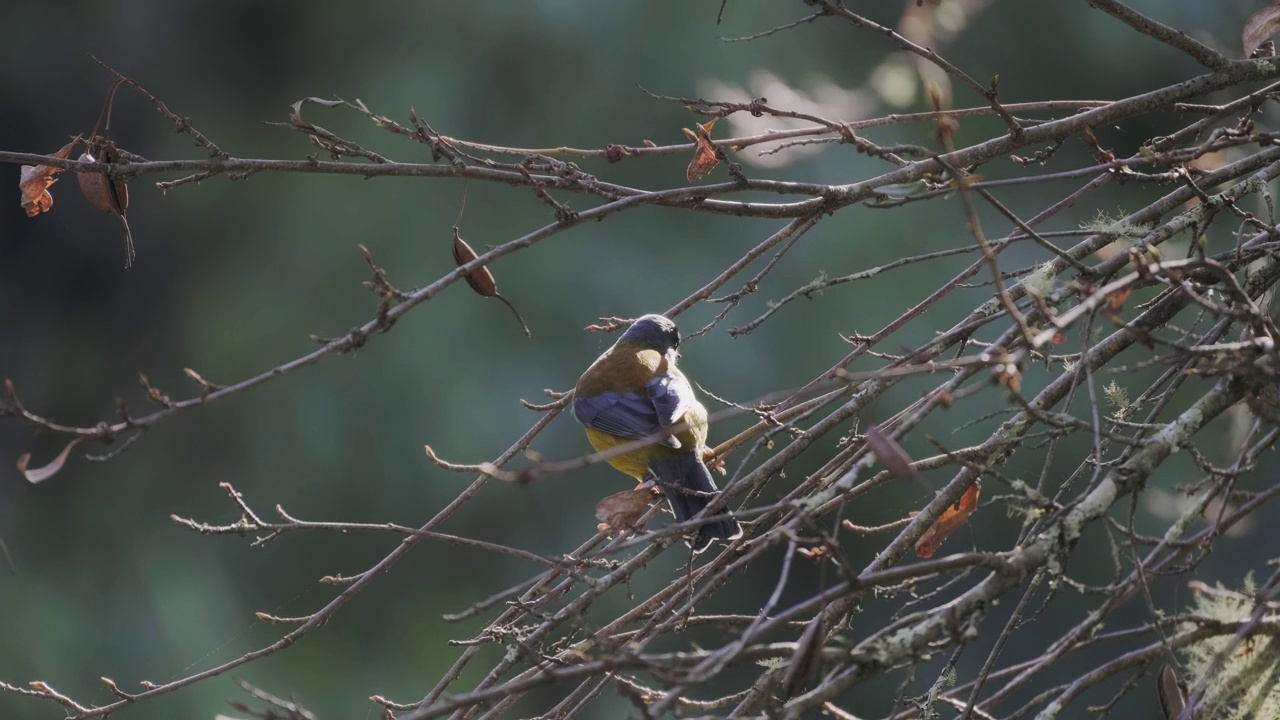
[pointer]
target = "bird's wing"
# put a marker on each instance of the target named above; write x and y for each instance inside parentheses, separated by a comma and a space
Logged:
(629, 415)
(671, 396)
(638, 414)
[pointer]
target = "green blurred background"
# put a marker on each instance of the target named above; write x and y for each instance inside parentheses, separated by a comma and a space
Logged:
(231, 278)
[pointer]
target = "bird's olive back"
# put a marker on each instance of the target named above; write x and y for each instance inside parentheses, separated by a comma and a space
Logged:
(653, 331)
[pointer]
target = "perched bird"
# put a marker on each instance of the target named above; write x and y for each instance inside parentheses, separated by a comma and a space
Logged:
(634, 391)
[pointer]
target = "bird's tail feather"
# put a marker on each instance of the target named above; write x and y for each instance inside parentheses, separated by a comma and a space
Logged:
(689, 487)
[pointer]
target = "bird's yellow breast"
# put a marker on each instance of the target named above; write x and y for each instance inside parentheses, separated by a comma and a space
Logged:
(634, 463)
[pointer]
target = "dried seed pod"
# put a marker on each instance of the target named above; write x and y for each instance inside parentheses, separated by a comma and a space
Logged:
(108, 194)
(480, 279)
(96, 187)
(890, 454)
(1172, 698)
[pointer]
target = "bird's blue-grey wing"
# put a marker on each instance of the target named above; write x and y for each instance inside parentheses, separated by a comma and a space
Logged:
(671, 396)
(639, 414)
(630, 415)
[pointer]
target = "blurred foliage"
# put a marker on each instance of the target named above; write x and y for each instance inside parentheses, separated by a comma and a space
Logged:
(231, 278)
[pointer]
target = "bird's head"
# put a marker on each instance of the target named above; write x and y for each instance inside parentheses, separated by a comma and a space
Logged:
(654, 331)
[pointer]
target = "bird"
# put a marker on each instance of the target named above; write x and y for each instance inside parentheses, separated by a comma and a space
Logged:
(635, 391)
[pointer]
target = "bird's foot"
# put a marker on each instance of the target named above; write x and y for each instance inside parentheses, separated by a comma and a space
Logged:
(712, 461)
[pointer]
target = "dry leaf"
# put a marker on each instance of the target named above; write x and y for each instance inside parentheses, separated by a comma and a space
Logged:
(1007, 374)
(952, 519)
(815, 553)
(1260, 27)
(623, 510)
(34, 182)
(705, 158)
(1115, 301)
(319, 137)
(40, 474)
(890, 454)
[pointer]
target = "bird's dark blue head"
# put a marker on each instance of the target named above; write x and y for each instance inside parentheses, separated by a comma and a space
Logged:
(654, 331)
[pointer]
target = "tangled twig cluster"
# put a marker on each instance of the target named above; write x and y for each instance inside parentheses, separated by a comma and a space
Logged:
(1204, 319)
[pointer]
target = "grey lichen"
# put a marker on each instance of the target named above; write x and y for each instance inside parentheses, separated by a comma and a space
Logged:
(1245, 680)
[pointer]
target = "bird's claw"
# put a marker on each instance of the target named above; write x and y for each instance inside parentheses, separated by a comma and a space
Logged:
(712, 461)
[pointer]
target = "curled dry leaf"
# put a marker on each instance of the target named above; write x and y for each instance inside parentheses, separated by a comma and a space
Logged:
(952, 519)
(623, 510)
(890, 454)
(1259, 28)
(319, 137)
(1115, 301)
(705, 157)
(481, 279)
(40, 474)
(34, 182)
(815, 553)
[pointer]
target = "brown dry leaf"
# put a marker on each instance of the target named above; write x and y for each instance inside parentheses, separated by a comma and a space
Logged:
(295, 116)
(1260, 27)
(319, 137)
(1007, 374)
(40, 474)
(815, 553)
(623, 510)
(1115, 301)
(890, 454)
(34, 182)
(952, 519)
(705, 158)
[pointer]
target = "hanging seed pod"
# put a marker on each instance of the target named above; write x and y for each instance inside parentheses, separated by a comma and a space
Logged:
(108, 194)
(480, 279)
(1173, 699)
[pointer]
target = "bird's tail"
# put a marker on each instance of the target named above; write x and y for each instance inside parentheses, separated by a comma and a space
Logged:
(688, 486)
